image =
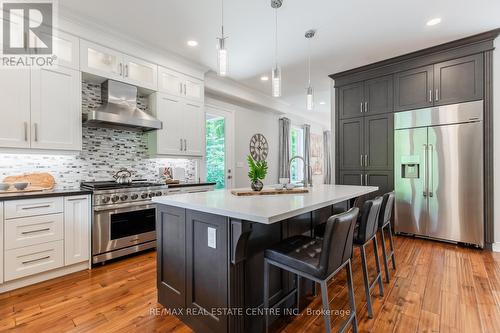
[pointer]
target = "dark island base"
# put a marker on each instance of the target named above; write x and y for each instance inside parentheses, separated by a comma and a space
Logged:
(216, 285)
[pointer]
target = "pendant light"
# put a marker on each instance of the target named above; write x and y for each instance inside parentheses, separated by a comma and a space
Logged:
(221, 47)
(276, 72)
(309, 91)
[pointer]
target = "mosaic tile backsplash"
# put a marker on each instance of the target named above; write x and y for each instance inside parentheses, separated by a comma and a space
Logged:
(104, 152)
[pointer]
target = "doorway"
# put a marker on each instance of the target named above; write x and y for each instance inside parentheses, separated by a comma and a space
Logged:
(219, 136)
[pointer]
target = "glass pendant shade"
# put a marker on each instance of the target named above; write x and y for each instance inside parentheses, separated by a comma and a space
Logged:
(310, 98)
(276, 81)
(221, 57)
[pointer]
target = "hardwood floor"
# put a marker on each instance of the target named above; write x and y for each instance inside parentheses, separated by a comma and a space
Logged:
(437, 287)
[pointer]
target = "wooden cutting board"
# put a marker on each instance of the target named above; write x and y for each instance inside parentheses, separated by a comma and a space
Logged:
(41, 180)
(28, 189)
(270, 191)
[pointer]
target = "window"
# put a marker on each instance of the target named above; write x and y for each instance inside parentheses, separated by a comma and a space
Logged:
(296, 148)
(215, 150)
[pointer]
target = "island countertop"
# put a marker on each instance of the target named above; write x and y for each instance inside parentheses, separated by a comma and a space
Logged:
(265, 209)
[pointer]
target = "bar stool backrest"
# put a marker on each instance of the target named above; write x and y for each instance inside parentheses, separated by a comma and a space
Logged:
(337, 241)
(386, 209)
(369, 220)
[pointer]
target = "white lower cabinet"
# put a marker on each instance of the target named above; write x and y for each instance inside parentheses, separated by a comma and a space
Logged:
(1, 242)
(42, 235)
(76, 229)
(33, 259)
(33, 230)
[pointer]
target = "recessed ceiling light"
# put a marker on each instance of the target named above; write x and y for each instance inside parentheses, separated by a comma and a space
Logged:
(264, 78)
(322, 103)
(434, 21)
(192, 43)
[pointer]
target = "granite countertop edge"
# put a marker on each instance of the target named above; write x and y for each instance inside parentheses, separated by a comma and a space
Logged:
(43, 194)
(190, 184)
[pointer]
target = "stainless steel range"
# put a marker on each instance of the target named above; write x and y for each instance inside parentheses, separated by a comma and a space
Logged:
(124, 218)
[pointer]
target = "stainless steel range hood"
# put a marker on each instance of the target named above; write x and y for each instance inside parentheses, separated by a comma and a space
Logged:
(119, 109)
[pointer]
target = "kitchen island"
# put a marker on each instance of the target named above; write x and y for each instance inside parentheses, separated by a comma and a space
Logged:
(210, 251)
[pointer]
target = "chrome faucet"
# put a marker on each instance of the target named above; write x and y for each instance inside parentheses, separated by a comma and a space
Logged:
(307, 170)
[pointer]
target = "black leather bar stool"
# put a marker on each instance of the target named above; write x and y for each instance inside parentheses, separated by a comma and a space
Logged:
(384, 221)
(364, 233)
(317, 260)
(319, 230)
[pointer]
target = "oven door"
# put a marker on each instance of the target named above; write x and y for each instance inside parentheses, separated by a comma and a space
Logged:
(119, 228)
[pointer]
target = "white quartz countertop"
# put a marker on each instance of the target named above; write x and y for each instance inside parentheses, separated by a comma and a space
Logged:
(265, 209)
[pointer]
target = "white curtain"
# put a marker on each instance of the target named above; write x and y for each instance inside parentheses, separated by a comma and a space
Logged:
(327, 149)
(307, 153)
(284, 148)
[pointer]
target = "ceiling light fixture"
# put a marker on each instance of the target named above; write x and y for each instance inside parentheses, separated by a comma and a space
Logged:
(276, 72)
(264, 78)
(322, 103)
(221, 47)
(309, 91)
(434, 21)
(192, 43)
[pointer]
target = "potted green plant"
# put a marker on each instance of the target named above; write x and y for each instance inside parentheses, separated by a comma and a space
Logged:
(257, 172)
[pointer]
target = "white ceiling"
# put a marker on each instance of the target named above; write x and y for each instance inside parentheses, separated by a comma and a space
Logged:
(350, 33)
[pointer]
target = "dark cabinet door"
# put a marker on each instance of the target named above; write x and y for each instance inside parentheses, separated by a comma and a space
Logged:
(383, 179)
(351, 178)
(413, 89)
(379, 142)
(379, 95)
(351, 144)
(207, 270)
(351, 99)
(458, 80)
(171, 256)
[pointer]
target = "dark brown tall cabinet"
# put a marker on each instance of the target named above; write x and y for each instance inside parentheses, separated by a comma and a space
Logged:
(367, 97)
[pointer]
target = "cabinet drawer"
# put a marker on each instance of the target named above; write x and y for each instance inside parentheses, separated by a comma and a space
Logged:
(33, 259)
(33, 207)
(29, 231)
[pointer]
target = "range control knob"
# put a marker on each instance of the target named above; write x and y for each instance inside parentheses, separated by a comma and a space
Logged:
(144, 195)
(134, 196)
(158, 194)
(151, 194)
(115, 198)
(124, 197)
(106, 199)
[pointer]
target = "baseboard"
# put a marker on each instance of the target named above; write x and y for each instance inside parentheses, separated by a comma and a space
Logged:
(495, 247)
(29, 280)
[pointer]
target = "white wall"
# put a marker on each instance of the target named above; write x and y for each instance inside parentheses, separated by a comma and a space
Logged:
(496, 140)
(249, 121)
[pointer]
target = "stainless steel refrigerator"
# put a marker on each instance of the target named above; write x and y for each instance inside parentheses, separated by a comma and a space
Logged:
(439, 173)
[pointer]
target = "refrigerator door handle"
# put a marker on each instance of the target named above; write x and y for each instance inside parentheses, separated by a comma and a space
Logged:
(426, 167)
(431, 171)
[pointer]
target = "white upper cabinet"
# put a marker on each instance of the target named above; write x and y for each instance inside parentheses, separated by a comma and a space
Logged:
(101, 61)
(76, 229)
(15, 108)
(183, 126)
(56, 121)
(170, 82)
(167, 141)
(108, 63)
(140, 73)
(177, 84)
(194, 90)
(193, 129)
(67, 50)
